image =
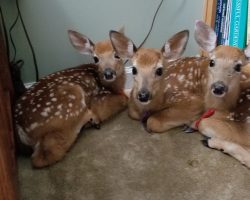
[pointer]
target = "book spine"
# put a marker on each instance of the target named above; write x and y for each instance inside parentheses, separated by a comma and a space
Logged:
(223, 22)
(227, 24)
(248, 24)
(238, 24)
(218, 19)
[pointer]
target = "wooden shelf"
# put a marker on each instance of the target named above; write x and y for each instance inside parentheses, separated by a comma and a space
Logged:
(209, 12)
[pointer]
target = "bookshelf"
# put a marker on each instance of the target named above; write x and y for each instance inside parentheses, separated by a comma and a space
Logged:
(230, 19)
(209, 12)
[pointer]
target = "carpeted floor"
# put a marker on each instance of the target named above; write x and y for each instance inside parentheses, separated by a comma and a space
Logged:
(123, 162)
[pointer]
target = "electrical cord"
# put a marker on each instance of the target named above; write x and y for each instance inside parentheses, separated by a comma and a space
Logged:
(151, 27)
(11, 38)
(152, 24)
(28, 38)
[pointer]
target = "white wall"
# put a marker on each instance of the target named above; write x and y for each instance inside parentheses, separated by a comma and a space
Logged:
(47, 22)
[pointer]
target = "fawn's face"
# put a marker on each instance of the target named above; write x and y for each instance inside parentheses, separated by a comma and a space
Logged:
(148, 63)
(226, 62)
(147, 71)
(225, 69)
(110, 65)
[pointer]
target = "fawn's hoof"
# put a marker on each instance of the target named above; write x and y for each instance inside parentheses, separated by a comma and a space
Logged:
(188, 129)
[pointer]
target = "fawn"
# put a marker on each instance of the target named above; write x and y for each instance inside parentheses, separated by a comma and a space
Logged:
(51, 113)
(167, 89)
(228, 129)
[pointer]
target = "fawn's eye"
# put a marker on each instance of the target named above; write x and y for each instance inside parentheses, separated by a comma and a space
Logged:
(158, 71)
(117, 57)
(237, 67)
(96, 59)
(212, 63)
(134, 71)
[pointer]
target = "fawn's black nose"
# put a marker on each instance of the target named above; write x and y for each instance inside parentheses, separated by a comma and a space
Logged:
(109, 74)
(143, 95)
(219, 88)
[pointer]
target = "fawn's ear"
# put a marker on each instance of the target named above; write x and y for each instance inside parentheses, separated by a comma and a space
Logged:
(122, 45)
(176, 45)
(122, 30)
(81, 43)
(247, 51)
(205, 36)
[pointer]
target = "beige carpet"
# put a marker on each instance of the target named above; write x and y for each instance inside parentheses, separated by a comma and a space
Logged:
(123, 162)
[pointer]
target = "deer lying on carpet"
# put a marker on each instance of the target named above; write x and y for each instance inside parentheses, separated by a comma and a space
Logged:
(50, 115)
(227, 98)
(167, 89)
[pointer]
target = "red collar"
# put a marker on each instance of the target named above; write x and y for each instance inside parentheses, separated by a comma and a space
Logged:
(207, 114)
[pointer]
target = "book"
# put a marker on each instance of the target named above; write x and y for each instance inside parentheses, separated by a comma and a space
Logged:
(220, 18)
(238, 24)
(227, 23)
(248, 24)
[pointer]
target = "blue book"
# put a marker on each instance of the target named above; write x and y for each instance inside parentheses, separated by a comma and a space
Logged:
(238, 25)
(223, 22)
(227, 24)
(218, 18)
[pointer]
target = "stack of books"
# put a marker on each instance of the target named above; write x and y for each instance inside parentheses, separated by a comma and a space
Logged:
(232, 22)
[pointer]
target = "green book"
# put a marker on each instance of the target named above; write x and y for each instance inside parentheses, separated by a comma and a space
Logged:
(238, 25)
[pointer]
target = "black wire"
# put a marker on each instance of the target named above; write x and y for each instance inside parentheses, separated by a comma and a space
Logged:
(11, 38)
(152, 24)
(31, 47)
(5, 33)
(151, 27)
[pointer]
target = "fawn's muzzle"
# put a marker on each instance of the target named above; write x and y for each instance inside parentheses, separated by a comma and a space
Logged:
(144, 95)
(109, 74)
(219, 88)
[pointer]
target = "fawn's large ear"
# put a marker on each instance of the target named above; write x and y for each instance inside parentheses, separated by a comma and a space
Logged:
(205, 36)
(81, 43)
(122, 45)
(247, 51)
(176, 45)
(121, 30)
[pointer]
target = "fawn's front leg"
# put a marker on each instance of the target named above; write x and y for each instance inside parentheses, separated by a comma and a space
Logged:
(133, 110)
(174, 116)
(106, 105)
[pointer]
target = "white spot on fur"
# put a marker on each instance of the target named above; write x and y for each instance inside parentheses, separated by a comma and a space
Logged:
(181, 77)
(44, 114)
(34, 125)
(72, 96)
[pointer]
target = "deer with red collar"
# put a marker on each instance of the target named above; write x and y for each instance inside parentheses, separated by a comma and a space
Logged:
(51, 113)
(228, 129)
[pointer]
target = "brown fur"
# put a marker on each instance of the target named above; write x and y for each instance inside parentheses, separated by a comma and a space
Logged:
(50, 115)
(176, 95)
(229, 128)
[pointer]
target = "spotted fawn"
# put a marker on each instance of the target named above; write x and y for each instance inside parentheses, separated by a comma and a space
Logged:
(228, 129)
(50, 115)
